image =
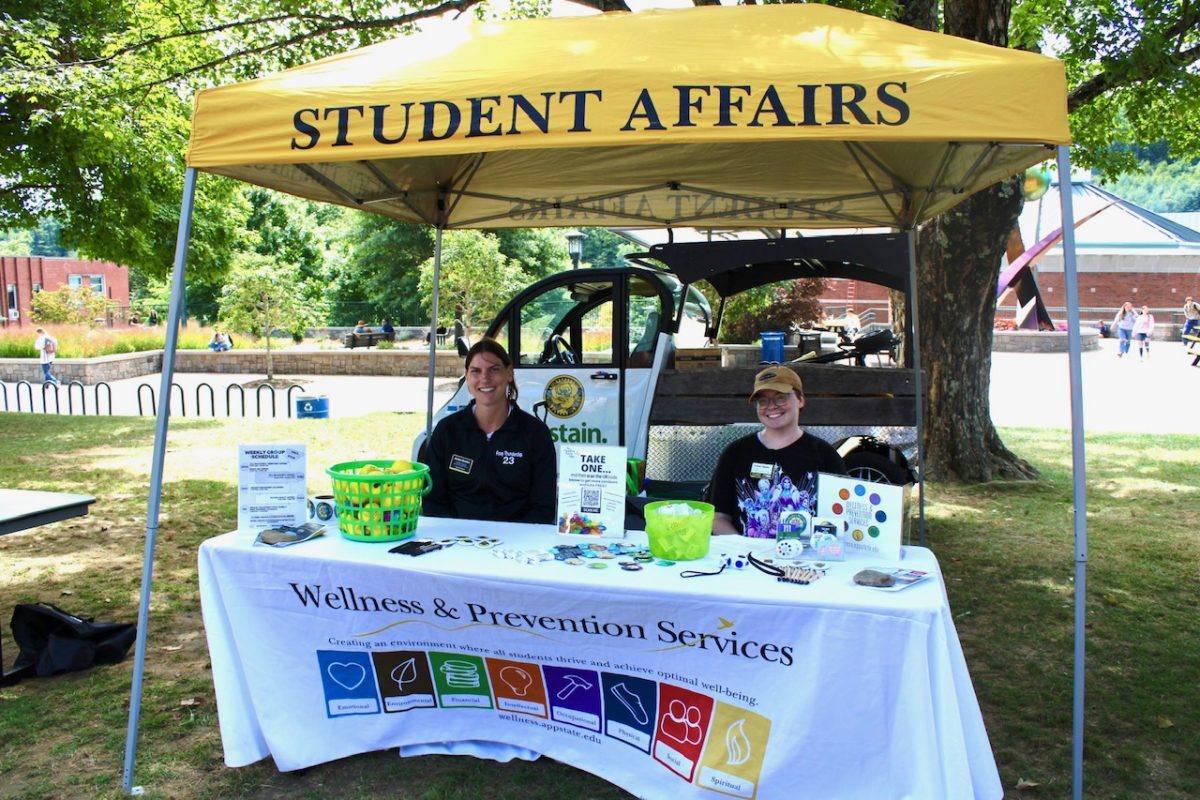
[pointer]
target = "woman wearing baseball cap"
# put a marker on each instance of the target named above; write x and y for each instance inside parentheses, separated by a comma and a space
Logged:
(766, 474)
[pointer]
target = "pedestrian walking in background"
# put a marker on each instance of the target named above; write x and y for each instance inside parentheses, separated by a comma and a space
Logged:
(1191, 316)
(1143, 329)
(47, 347)
(1123, 323)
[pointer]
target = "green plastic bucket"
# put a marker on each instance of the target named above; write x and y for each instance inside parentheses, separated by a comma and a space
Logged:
(679, 537)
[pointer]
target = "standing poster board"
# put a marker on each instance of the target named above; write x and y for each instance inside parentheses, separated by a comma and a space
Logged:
(272, 485)
(869, 516)
(591, 490)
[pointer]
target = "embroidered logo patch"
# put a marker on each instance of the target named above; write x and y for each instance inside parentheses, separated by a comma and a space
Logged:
(461, 464)
(509, 456)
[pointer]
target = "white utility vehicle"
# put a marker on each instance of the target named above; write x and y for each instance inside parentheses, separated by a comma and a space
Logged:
(626, 356)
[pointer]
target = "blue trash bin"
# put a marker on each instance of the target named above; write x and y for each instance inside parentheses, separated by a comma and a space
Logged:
(312, 406)
(772, 347)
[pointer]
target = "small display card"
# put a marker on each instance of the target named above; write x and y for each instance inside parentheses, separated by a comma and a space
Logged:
(869, 516)
(272, 486)
(904, 578)
(591, 490)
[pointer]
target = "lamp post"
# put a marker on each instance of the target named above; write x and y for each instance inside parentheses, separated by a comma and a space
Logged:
(575, 247)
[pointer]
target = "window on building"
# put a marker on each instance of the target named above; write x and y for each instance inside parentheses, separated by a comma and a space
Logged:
(12, 295)
(95, 282)
(37, 287)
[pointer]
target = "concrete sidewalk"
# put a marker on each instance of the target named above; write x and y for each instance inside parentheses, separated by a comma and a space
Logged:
(1158, 395)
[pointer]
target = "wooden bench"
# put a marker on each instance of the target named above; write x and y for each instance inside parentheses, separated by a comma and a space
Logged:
(834, 395)
(1193, 348)
(368, 339)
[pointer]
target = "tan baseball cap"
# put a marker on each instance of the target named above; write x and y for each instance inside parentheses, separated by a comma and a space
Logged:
(777, 379)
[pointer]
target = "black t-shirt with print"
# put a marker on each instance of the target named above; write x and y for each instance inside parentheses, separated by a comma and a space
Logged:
(755, 485)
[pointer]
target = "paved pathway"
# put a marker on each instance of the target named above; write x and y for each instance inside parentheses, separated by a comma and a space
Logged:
(1159, 395)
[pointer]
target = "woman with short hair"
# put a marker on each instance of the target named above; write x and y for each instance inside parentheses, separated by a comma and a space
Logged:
(761, 477)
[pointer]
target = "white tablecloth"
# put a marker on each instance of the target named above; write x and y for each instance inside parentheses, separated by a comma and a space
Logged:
(668, 687)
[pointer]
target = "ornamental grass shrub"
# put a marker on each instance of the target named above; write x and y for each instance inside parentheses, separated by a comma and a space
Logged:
(78, 341)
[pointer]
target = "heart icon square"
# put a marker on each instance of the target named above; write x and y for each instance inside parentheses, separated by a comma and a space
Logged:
(347, 675)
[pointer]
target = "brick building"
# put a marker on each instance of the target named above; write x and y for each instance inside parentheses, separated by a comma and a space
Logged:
(22, 276)
(1123, 253)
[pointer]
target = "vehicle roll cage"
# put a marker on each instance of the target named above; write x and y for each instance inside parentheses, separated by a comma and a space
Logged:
(732, 267)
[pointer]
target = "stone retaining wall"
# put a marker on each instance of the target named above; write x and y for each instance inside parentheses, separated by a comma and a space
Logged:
(414, 363)
(248, 362)
(1041, 341)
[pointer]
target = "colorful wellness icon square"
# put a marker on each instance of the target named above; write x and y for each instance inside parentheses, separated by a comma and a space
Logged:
(405, 680)
(348, 681)
(574, 696)
(869, 516)
(630, 708)
(518, 686)
(733, 758)
(461, 680)
(683, 720)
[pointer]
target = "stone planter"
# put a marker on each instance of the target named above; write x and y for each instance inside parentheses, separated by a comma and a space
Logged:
(1041, 341)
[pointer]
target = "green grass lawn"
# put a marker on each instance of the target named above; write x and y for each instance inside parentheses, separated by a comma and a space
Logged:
(1005, 548)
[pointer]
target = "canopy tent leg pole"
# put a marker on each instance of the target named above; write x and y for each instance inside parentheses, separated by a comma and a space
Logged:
(919, 381)
(433, 324)
(174, 318)
(1078, 464)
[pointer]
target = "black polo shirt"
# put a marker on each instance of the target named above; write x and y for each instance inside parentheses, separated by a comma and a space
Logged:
(511, 477)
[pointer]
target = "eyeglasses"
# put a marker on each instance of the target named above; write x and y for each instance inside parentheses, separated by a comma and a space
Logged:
(776, 401)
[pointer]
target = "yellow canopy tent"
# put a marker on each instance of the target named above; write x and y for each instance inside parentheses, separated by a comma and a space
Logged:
(782, 116)
(788, 115)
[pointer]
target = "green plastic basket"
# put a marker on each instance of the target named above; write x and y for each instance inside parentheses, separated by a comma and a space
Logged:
(378, 506)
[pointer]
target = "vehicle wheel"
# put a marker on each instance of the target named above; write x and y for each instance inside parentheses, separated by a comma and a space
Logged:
(868, 466)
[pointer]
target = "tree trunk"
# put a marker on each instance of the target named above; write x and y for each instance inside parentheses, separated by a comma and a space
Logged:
(958, 257)
(958, 260)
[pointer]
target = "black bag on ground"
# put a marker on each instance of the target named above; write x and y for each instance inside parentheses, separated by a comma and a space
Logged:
(53, 641)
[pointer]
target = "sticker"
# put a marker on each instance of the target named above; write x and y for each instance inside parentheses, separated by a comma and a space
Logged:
(563, 396)
(461, 464)
(574, 562)
(598, 565)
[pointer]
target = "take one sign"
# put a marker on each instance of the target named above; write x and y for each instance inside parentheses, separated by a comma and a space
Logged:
(591, 490)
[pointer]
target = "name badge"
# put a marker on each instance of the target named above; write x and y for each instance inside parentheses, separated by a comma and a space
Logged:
(760, 470)
(461, 464)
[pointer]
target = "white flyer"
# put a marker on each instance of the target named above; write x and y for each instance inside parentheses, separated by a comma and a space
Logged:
(272, 485)
(591, 490)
